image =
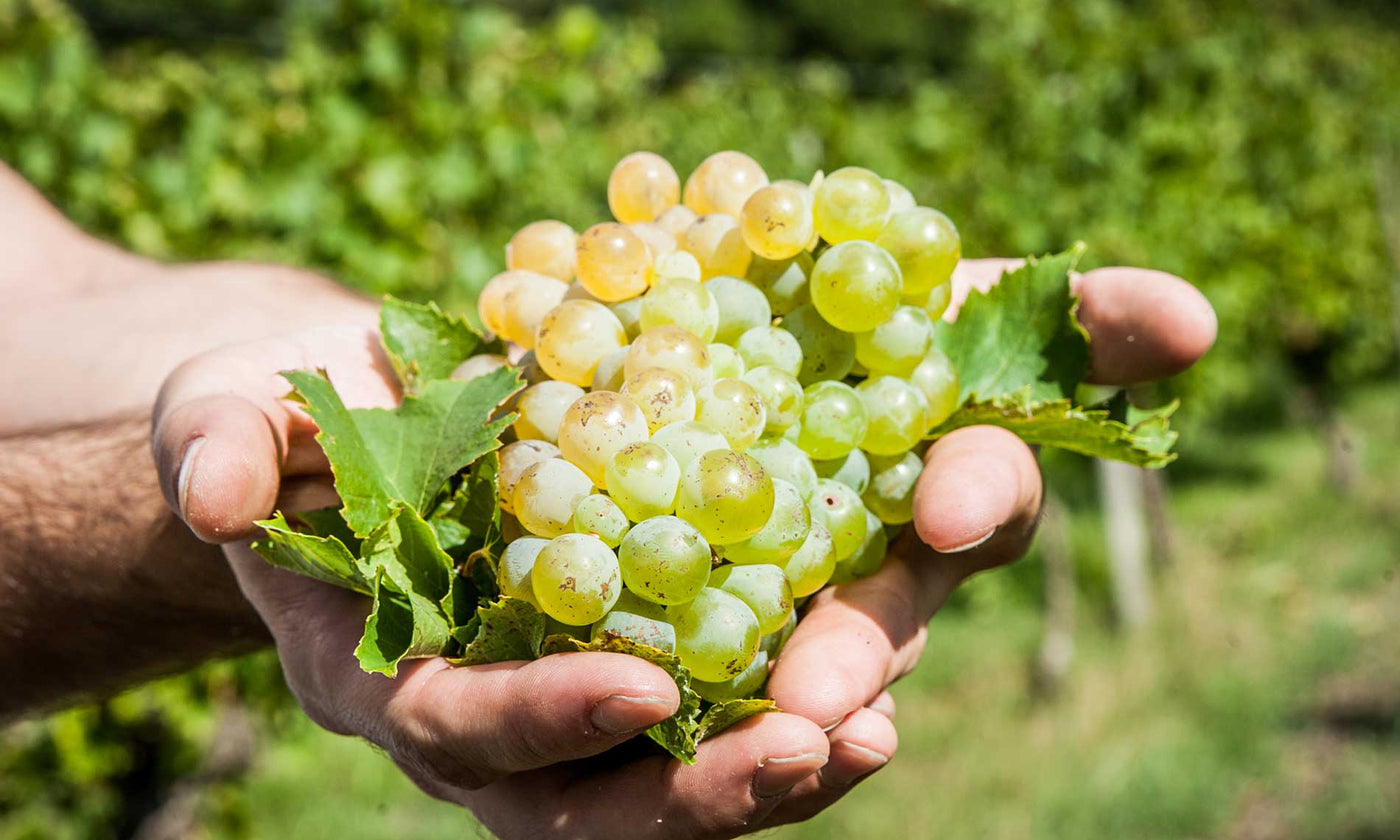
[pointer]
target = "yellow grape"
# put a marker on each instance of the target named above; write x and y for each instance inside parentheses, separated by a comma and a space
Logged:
(677, 219)
(718, 245)
(723, 182)
(777, 220)
(641, 186)
(574, 337)
(613, 262)
(659, 240)
(526, 304)
(546, 247)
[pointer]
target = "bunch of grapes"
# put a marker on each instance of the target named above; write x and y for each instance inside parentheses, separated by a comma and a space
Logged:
(728, 388)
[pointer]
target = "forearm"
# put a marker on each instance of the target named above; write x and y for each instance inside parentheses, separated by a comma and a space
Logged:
(101, 585)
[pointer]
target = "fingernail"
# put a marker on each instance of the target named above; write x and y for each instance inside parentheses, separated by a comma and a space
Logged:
(968, 546)
(776, 776)
(182, 481)
(853, 761)
(619, 714)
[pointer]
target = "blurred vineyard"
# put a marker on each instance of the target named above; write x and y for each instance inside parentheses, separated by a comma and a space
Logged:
(1251, 147)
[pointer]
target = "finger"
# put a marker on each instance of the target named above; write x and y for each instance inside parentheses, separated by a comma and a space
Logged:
(1143, 325)
(862, 744)
(883, 704)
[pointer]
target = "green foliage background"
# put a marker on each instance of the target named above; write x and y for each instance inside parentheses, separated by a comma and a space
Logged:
(1245, 145)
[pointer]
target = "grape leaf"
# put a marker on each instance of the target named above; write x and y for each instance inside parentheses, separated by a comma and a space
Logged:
(503, 630)
(400, 626)
(406, 454)
(721, 716)
(323, 558)
(406, 548)
(470, 517)
(423, 342)
(1020, 334)
(1145, 440)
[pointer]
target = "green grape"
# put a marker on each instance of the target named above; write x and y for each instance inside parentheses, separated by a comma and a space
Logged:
(664, 396)
(574, 337)
(852, 470)
(851, 203)
(682, 303)
(716, 635)
(514, 459)
(897, 346)
(855, 286)
(777, 220)
(576, 579)
(773, 643)
(642, 478)
(672, 348)
(726, 495)
(925, 244)
(546, 247)
(935, 301)
(938, 381)
(526, 303)
(763, 587)
(813, 564)
(541, 409)
(898, 415)
(827, 353)
(676, 219)
(732, 408)
(597, 425)
(746, 683)
(665, 560)
(1091, 395)
(726, 362)
(601, 517)
(622, 623)
(629, 314)
(723, 182)
(782, 459)
(555, 627)
(781, 395)
(641, 186)
(717, 245)
(631, 602)
(900, 197)
(770, 346)
(612, 262)
(867, 559)
(816, 509)
(513, 571)
(479, 365)
(608, 375)
(834, 420)
(845, 516)
(783, 282)
(546, 495)
(890, 495)
(677, 265)
(780, 536)
(742, 306)
(688, 440)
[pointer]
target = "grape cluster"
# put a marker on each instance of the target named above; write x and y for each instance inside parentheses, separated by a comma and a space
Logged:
(728, 386)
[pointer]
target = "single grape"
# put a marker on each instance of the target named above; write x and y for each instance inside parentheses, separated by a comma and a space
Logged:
(490, 304)
(742, 306)
(600, 516)
(597, 425)
(738, 687)
(479, 365)
(770, 346)
(576, 579)
(925, 244)
(726, 362)
(672, 348)
(578, 292)
(642, 478)
(608, 375)
(777, 220)
(664, 396)
(935, 301)
(853, 470)
(813, 563)
(890, 495)
(679, 265)
(726, 495)
(827, 353)
(723, 182)
(897, 346)
(665, 560)
(555, 627)
(763, 587)
(845, 516)
(732, 408)
(782, 459)
(641, 187)
(717, 244)
(851, 203)
(784, 283)
(681, 303)
(574, 337)
(514, 459)
(834, 420)
(530, 298)
(900, 197)
(855, 286)
(781, 395)
(716, 635)
(898, 415)
(688, 440)
(529, 367)
(780, 536)
(938, 381)
(676, 219)
(546, 495)
(546, 247)
(867, 559)
(613, 263)
(541, 408)
(513, 571)
(629, 315)
(659, 240)
(622, 621)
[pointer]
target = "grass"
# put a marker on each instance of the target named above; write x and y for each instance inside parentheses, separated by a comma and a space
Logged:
(1210, 722)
